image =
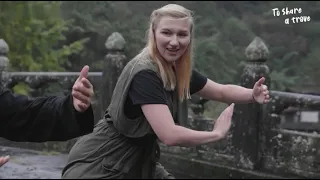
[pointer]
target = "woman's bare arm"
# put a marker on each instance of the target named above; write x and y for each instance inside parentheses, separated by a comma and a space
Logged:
(161, 121)
(226, 93)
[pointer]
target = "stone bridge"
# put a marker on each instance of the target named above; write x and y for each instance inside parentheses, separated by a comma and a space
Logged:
(277, 140)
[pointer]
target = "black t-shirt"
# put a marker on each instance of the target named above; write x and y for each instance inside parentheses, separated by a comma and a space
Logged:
(147, 88)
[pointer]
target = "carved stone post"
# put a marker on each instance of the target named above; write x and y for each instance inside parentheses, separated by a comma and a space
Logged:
(183, 113)
(114, 63)
(247, 118)
(4, 62)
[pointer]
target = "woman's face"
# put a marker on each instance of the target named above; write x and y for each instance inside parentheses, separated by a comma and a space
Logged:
(172, 37)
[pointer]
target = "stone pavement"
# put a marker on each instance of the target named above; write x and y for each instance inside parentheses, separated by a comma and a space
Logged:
(30, 164)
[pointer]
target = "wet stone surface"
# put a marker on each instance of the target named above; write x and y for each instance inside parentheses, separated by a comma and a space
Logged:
(29, 164)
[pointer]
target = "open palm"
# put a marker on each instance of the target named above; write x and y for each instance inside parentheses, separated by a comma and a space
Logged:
(260, 92)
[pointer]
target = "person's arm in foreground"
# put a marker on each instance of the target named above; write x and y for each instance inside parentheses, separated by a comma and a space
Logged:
(4, 160)
(49, 118)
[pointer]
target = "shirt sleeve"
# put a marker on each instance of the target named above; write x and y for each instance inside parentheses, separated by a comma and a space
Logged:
(198, 81)
(41, 119)
(147, 88)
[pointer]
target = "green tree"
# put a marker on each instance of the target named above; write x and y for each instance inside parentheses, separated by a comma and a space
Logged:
(34, 32)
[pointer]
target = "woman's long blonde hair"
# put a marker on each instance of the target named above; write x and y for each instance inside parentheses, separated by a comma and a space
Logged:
(182, 75)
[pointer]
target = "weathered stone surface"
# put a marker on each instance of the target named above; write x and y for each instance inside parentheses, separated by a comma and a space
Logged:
(115, 42)
(30, 164)
(39, 79)
(185, 167)
(256, 50)
(4, 62)
(282, 100)
(114, 63)
(248, 130)
(4, 47)
(294, 153)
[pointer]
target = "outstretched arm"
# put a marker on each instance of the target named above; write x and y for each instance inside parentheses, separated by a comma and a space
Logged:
(48, 118)
(147, 92)
(41, 119)
(162, 123)
(235, 94)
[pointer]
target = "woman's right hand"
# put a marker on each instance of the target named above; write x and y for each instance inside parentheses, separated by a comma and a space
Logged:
(223, 123)
(3, 160)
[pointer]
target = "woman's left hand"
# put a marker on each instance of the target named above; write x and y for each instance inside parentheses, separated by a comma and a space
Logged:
(260, 92)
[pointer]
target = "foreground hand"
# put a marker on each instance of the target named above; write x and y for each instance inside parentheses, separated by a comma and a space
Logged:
(260, 92)
(223, 123)
(4, 160)
(82, 91)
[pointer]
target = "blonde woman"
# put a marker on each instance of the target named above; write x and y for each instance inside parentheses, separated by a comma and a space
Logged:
(145, 103)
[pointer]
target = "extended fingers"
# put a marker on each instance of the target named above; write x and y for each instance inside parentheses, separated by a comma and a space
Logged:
(83, 106)
(261, 81)
(266, 94)
(83, 91)
(84, 87)
(86, 83)
(264, 89)
(3, 160)
(230, 111)
(81, 97)
(227, 113)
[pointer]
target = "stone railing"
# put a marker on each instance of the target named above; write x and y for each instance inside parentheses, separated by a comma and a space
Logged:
(260, 143)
